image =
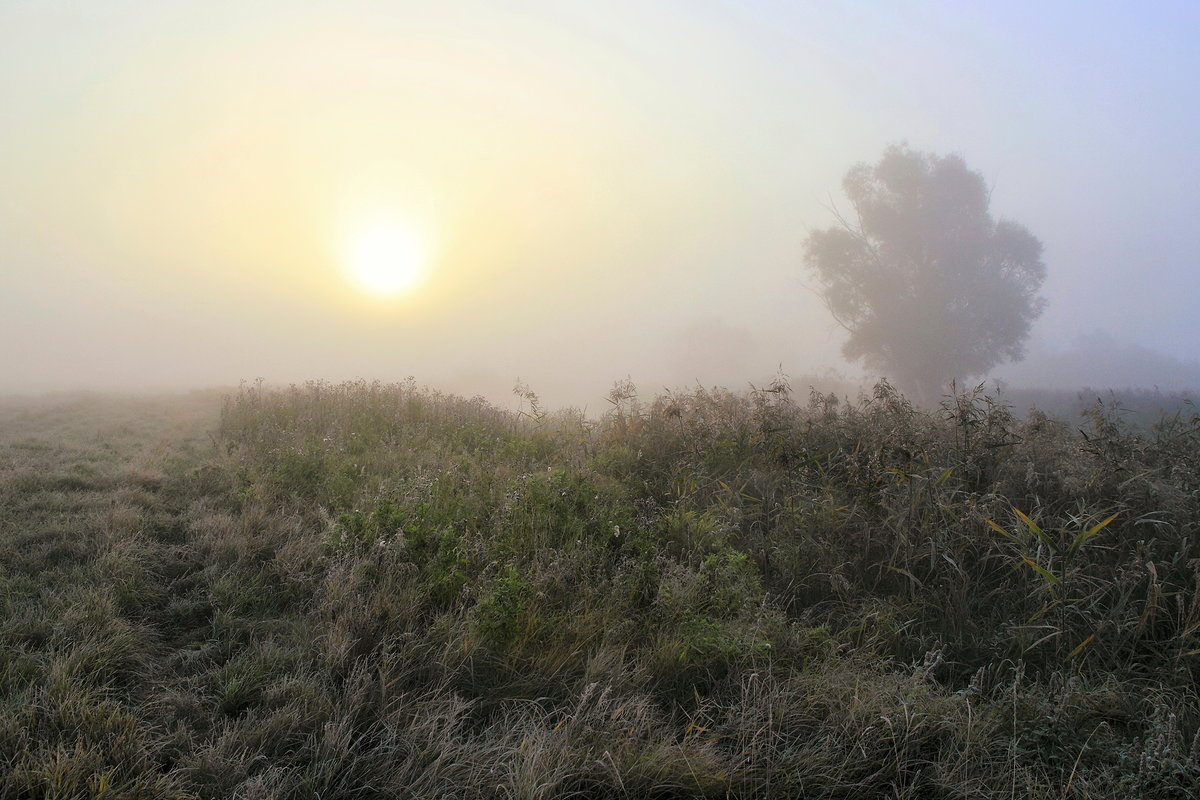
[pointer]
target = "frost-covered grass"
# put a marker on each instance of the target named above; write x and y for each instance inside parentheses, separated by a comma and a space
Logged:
(366, 590)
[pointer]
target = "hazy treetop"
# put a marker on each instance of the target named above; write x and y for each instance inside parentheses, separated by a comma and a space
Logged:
(929, 286)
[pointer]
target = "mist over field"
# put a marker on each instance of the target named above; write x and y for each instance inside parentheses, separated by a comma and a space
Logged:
(614, 400)
(595, 191)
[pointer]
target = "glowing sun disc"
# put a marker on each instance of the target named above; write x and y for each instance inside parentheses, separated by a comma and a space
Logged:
(387, 260)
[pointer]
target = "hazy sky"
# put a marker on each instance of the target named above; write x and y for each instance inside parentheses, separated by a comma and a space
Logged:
(601, 189)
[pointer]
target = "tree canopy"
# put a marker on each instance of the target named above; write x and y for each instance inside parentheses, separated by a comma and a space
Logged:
(929, 286)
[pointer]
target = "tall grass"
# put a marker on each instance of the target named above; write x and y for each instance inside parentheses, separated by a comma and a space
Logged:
(365, 590)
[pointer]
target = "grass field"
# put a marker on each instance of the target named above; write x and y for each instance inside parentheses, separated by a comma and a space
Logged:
(365, 590)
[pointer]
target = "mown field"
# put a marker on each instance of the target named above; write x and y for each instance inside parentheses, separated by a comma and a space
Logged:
(371, 591)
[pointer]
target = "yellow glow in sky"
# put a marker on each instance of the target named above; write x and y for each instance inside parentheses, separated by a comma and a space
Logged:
(467, 191)
(387, 259)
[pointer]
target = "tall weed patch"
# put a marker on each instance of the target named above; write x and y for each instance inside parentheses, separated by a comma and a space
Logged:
(352, 590)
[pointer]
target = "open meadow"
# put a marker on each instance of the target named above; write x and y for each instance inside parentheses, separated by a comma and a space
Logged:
(866, 580)
(363, 590)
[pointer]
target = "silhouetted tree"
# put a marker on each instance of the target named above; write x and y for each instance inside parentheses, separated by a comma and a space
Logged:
(928, 285)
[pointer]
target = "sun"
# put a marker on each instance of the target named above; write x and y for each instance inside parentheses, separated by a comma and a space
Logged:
(387, 259)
